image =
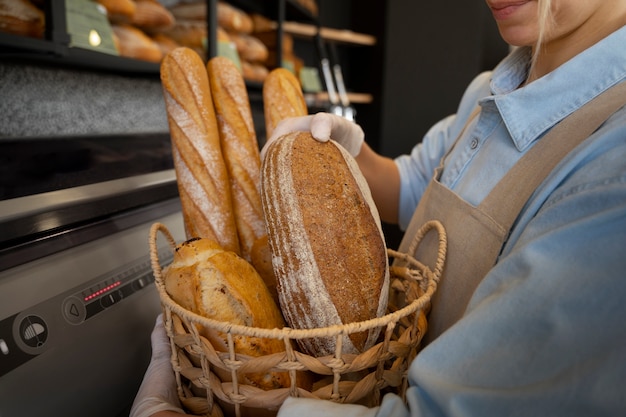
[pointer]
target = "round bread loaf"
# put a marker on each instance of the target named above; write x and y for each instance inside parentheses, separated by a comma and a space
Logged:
(220, 285)
(328, 249)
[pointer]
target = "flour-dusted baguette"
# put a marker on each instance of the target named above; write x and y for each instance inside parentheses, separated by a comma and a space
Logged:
(240, 149)
(202, 176)
(282, 98)
(220, 285)
(328, 249)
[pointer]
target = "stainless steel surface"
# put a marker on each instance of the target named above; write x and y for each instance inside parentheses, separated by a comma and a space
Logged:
(348, 111)
(75, 326)
(54, 200)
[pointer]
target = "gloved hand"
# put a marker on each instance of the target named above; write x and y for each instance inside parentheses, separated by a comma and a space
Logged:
(323, 126)
(321, 408)
(158, 388)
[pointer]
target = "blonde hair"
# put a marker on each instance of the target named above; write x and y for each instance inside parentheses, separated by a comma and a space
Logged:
(544, 21)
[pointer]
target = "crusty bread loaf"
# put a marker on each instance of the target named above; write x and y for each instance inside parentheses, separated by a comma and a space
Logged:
(119, 11)
(165, 43)
(249, 47)
(201, 172)
(134, 43)
(240, 149)
(328, 249)
(21, 17)
(151, 16)
(282, 98)
(253, 71)
(220, 285)
(233, 19)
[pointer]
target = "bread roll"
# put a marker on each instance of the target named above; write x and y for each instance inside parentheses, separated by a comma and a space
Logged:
(119, 11)
(133, 43)
(233, 19)
(249, 48)
(189, 11)
(328, 248)
(201, 172)
(282, 98)
(254, 72)
(165, 43)
(241, 154)
(20, 17)
(151, 16)
(222, 286)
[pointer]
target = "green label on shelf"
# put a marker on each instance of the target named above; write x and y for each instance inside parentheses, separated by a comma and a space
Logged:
(310, 79)
(229, 50)
(89, 27)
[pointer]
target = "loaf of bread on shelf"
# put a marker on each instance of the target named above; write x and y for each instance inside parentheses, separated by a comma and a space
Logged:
(202, 176)
(240, 150)
(327, 244)
(261, 23)
(119, 11)
(233, 19)
(282, 98)
(133, 43)
(249, 47)
(191, 34)
(219, 285)
(21, 17)
(254, 72)
(270, 40)
(165, 43)
(151, 16)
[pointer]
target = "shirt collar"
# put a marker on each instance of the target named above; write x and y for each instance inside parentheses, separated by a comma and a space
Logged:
(526, 111)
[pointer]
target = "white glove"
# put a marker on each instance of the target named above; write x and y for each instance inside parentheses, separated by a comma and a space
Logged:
(320, 408)
(158, 388)
(323, 127)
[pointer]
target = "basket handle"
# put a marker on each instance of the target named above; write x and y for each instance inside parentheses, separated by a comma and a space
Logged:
(154, 253)
(441, 251)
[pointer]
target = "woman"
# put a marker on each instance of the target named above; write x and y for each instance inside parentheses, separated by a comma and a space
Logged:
(536, 328)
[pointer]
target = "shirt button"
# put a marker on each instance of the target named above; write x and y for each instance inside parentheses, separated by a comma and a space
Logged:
(474, 143)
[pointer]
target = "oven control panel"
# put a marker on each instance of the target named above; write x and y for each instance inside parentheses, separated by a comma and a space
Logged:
(27, 334)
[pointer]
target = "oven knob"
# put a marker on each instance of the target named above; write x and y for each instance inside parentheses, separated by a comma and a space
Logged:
(33, 331)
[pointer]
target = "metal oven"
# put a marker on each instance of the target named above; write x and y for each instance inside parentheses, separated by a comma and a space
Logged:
(77, 299)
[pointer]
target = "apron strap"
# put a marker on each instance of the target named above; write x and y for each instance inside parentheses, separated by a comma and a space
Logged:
(508, 197)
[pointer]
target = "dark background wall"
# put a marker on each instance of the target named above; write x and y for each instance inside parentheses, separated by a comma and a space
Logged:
(432, 51)
(426, 55)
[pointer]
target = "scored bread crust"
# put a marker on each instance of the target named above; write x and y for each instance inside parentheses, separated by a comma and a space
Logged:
(201, 172)
(220, 285)
(327, 244)
(282, 98)
(240, 149)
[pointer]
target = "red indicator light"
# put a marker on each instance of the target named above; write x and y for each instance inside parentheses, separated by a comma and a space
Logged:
(102, 291)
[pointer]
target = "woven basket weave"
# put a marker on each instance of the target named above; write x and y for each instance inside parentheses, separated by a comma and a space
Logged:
(342, 377)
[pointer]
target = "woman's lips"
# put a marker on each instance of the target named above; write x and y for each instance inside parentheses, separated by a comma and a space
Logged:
(503, 10)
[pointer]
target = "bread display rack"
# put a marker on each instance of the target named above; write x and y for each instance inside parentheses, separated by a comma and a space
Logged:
(344, 378)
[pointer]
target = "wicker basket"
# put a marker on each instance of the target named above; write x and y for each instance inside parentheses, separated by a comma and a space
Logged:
(342, 377)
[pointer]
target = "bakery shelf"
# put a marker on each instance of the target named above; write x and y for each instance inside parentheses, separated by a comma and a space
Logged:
(329, 34)
(322, 99)
(293, 10)
(20, 47)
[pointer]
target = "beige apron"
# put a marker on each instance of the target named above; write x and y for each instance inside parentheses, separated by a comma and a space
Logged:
(476, 234)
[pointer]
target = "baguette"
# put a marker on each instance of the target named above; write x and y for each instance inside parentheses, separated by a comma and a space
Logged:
(201, 172)
(282, 98)
(327, 244)
(241, 154)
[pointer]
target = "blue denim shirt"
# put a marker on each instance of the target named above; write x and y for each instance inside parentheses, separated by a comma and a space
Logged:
(545, 331)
